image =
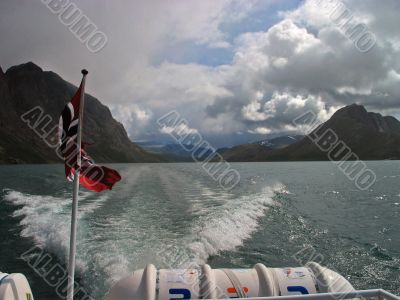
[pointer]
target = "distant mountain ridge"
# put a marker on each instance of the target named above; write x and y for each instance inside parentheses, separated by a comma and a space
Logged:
(26, 86)
(257, 150)
(280, 141)
(176, 152)
(369, 135)
(173, 152)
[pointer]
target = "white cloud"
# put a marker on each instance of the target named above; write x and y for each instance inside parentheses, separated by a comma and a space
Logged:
(182, 129)
(252, 112)
(283, 108)
(306, 63)
(260, 130)
(132, 117)
(302, 62)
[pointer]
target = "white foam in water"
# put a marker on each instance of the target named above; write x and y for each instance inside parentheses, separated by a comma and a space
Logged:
(216, 228)
(110, 247)
(43, 220)
(46, 219)
(219, 228)
(235, 221)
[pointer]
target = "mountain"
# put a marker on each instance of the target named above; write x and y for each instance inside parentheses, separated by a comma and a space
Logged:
(245, 152)
(171, 151)
(258, 150)
(26, 86)
(175, 152)
(369, 135)
(280, 141)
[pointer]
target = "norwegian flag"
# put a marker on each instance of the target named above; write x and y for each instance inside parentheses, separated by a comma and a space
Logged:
(92, 176)
(68, 133)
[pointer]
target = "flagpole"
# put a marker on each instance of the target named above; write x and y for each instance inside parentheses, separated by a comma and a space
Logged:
(72, 242)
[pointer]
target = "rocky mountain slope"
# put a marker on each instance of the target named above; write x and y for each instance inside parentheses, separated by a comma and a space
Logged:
(257, 151)
(369, 135)
(26, 86)
(173, 152)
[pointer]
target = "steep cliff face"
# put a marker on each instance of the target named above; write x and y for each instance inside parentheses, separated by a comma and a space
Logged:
(26, 86)
(369, 135)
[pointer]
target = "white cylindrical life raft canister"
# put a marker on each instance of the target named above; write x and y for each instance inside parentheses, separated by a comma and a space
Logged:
(207, 283)
(14, 287)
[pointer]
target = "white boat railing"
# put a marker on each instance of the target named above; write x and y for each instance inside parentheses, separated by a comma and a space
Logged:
(379, 294)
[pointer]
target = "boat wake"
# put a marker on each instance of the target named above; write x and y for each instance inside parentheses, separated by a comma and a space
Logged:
(118, 236)
(225, 228)
(46, 219)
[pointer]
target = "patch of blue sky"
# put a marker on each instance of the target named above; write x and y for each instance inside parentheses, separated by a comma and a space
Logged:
(260, 19)
(189, 52)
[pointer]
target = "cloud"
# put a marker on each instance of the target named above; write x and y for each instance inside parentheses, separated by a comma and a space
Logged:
(303, 61)
(348, 73)
(182, 129)
(260, 130)
(200, 21)
(281, 109)
(132, 117)
(252, 112)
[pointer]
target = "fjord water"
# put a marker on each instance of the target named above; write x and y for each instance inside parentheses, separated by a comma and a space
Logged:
(172, 214)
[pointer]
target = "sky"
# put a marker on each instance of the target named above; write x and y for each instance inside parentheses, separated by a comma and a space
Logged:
(238, 71)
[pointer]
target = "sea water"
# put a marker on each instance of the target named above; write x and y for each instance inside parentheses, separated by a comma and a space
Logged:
(175, 215)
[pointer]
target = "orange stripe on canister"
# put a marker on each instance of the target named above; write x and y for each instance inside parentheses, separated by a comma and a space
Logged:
(232, 290)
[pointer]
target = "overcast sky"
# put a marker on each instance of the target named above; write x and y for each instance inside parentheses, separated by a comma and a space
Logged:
(237, 70)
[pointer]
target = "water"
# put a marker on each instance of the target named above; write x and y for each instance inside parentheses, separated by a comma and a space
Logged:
(172, 214)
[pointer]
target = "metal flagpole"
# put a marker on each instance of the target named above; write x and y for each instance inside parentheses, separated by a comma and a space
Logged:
(72, 242)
